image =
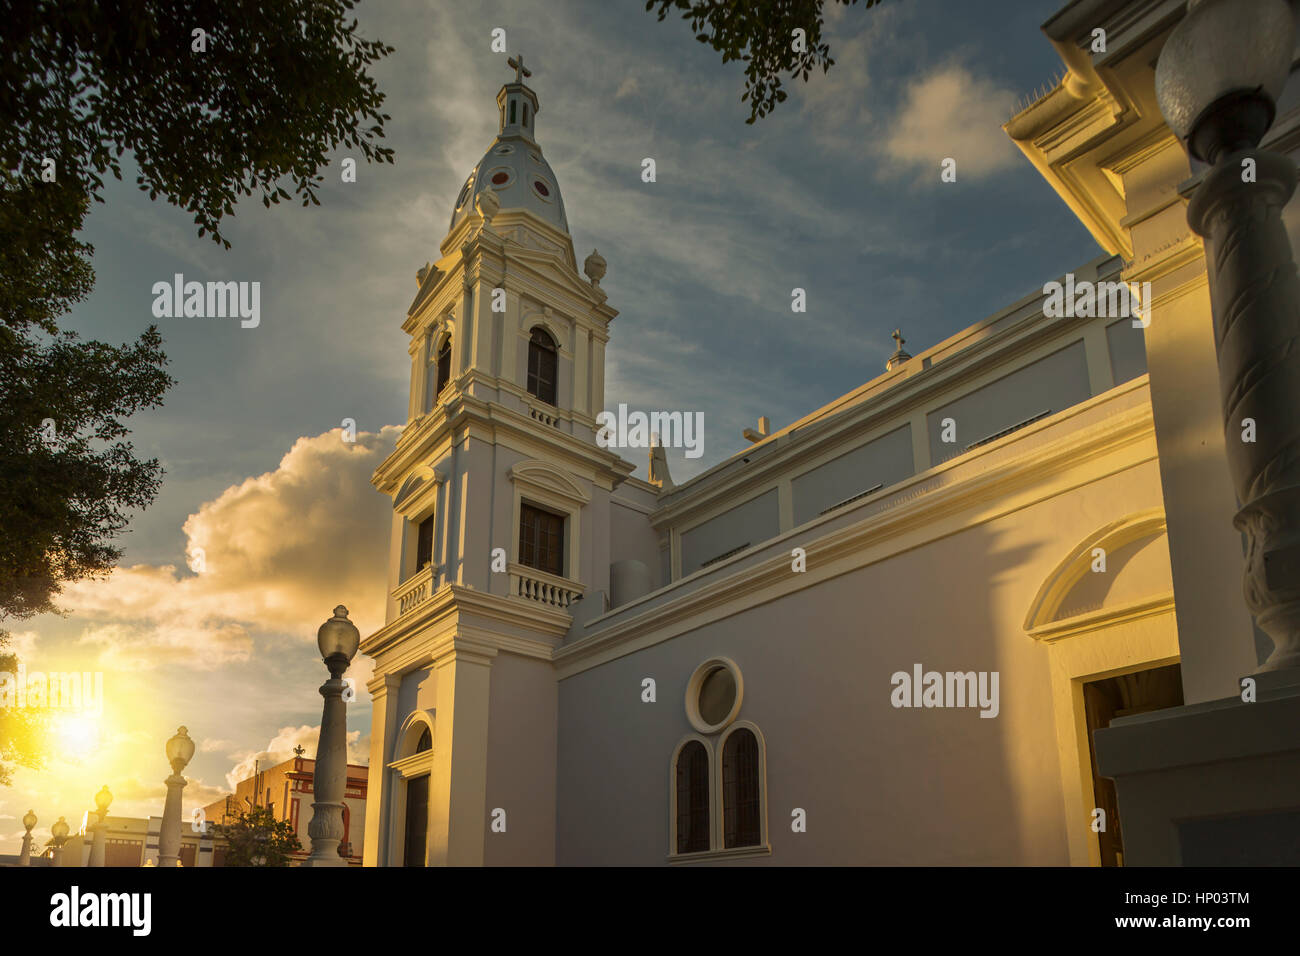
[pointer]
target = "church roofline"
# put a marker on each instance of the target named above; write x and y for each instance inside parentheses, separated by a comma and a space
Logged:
(940, 368)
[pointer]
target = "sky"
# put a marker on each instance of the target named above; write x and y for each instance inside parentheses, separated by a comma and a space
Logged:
(837, 192)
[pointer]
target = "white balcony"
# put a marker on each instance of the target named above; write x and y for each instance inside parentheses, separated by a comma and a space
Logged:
(416, 589)
(549, 589)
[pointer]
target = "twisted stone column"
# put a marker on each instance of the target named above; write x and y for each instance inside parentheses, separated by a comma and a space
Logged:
(1255, 292)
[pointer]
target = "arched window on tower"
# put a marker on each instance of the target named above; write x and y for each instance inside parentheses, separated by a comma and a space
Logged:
(444, 365)
(542, 364)
(512, 112)
(741, 790)
(425, 742)
(692, 798)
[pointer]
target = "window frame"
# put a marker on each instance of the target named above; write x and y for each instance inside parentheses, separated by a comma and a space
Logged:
(420, 542)
(544, 485)
(673, 854)
(540, 330)
(441, 376)
(717, 806)
(527, 505)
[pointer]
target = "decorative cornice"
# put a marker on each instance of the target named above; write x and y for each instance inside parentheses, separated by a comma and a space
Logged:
(847, 548)
(445, 613)
(548, 477)
(883, 412)
(1092, 621)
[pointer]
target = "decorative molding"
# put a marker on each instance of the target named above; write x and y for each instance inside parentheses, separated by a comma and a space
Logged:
(1127, 435)
(696, 684)
(1057, 586)
(1091, 621)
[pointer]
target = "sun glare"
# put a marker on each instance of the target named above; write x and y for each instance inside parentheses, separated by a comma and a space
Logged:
(77, 736)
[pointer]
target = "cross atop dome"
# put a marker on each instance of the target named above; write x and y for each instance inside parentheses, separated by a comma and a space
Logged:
(516, 63)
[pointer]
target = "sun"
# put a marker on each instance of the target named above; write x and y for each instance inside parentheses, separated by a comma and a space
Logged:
(76, 736)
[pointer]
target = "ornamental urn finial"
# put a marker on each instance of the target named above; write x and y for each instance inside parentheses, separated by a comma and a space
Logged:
(488, 204)
(594, 266)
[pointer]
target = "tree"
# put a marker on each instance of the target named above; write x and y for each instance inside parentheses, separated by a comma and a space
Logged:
(22, 729)
(762, 34)
(257, 838)
(214, 99)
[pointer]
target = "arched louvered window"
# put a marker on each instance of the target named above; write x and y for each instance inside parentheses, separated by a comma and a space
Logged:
(692, 798)
(444, 364)
(542, 364)
(741, 791)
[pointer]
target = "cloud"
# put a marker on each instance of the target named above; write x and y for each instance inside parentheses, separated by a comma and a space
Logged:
(950, 112)
(210, 745)
(626, 88)
(21, 643)
(273, 554)
(281, 747)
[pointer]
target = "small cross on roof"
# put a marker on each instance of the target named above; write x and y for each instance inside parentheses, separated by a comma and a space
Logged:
(517, 64)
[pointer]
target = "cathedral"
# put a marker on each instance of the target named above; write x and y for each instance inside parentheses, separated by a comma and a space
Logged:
(882, 634)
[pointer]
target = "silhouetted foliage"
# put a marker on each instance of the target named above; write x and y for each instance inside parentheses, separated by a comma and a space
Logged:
(760, 33)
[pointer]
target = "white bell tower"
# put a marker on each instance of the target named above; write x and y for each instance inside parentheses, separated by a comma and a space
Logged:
(500, 514)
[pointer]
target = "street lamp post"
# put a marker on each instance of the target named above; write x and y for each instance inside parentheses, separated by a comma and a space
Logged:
(337, 639)
(180, 750)
(1217, 81)
(29, 821)
(59, 833)
(103, 800)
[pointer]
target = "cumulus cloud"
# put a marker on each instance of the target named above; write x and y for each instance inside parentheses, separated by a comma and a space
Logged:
(281, 748)
(272, 554)
(951, 112)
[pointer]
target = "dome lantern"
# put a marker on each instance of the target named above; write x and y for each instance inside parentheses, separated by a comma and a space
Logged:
(513, 167)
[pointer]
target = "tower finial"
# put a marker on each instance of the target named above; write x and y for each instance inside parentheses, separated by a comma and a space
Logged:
(516, 63)
(899, 356)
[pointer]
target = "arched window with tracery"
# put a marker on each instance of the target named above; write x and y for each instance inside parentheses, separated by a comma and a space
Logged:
(741, 790)
(692, 798)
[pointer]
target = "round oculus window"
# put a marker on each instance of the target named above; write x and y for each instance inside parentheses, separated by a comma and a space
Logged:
(500, 178)
(504, 149)
(713, 695)
(542, 189)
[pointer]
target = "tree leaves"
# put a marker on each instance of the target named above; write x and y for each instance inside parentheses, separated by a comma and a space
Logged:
(760, 33)
(256, 838)
(279, 88)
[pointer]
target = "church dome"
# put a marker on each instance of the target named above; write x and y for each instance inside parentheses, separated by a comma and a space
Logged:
(513, 167)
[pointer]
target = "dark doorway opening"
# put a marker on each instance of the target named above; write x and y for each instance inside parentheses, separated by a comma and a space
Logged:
(1123, 696)
(417, 820)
